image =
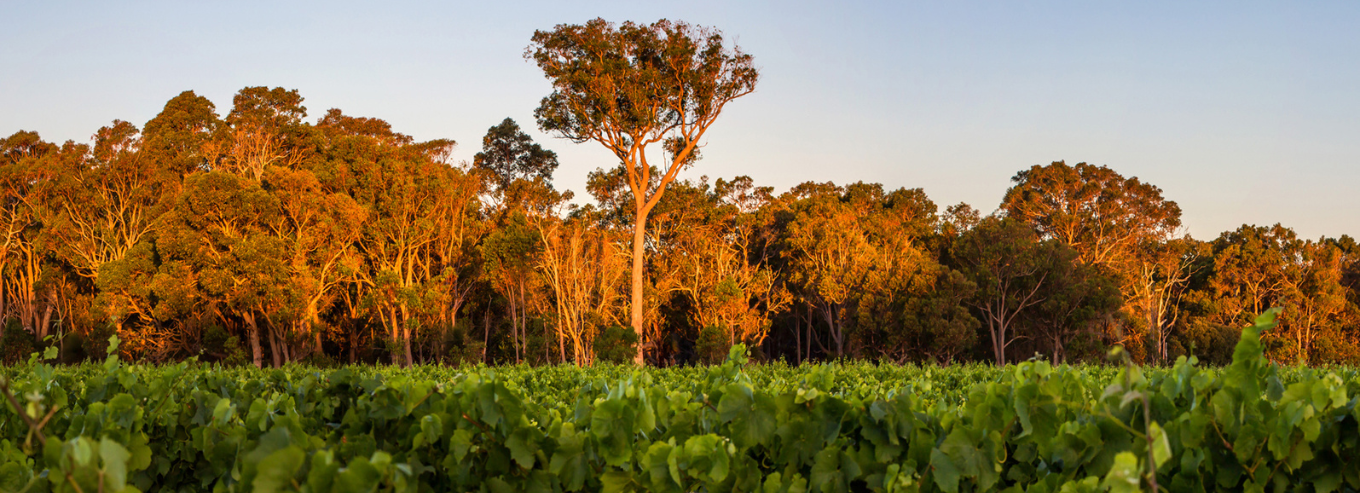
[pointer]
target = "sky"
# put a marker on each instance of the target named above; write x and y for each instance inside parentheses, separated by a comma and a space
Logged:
(1241, 112)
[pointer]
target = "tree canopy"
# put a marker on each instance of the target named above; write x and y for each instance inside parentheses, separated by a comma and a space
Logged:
(268, 236)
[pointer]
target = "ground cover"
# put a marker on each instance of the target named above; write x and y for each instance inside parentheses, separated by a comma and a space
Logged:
(731, 427)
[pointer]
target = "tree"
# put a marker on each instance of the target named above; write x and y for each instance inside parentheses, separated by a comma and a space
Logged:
(854, 256)
(1076, 299)
(583, 269)
(709, 249)
(511, 253)
(632, 86)
(1315, 306)
(830, 257)
(1257, 267)
(419, 208)
(1092, 209)
(265, 131)
(218, 251)
(509, 154)
(1159, 279)
(186, 136)
(119, 247)
(1108, 220)
(319, 229)
(938, 319)
(1010, 267)
(26, 164)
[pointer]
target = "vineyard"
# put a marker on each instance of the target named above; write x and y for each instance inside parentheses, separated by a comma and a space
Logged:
(1250, 426)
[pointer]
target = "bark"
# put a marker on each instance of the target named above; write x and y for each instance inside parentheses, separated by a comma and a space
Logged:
(253, 333)
(561, 346)
(405, 331)
(4, 315)
(639, 248)
(46, 321)
(275, 348)
(809, 334)
(406, 343)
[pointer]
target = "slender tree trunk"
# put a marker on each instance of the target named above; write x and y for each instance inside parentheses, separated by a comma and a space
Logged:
(809, 334)
(46, 320)
(410, 358)
(994, 330)
(635, 310)
(406, 336)
(4, 315)
(486, 331)
(352, 340)
(561, 346)
(275, 348)
(313, 324)
(998, 343)
(830, 314)
(253, 333)
(514, 326)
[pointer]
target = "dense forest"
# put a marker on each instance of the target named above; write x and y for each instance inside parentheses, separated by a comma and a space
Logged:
(262, 237)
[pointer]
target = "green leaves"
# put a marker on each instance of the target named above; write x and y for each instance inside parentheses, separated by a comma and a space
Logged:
(277, 470)
(960, 457)
(1124, 475)
(1161, 448)
(1027, 427)
(750, 416)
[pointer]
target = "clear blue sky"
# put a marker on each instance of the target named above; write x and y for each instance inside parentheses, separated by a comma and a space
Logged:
(1242, 112)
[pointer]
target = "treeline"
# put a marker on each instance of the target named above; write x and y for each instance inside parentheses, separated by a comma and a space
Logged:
(261, 237)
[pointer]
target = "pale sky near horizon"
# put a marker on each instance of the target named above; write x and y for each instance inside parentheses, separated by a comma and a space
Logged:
(1241, 112)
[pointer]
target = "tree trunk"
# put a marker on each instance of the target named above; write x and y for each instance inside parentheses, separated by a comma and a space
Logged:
(4, 315)
(405, 331)
(46, 321)
(834, 331)
(253, 333)
(275, 348)
(809, 334)
(998, 343)
(312, 324)
(561, 346)
(351, 340)
(514, 326)
(639, 248)
(410, 359)
(1057, 349)
(995, 330)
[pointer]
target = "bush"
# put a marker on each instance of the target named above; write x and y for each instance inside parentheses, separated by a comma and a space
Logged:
(615, 344)
(461, 347)
(16, 344)
(223, 347)
(712, 346)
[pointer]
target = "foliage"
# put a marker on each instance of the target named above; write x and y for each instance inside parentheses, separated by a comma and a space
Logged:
(252, 231)
(733, 427)
(615, 344)
(509, 154)
(633, 85)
